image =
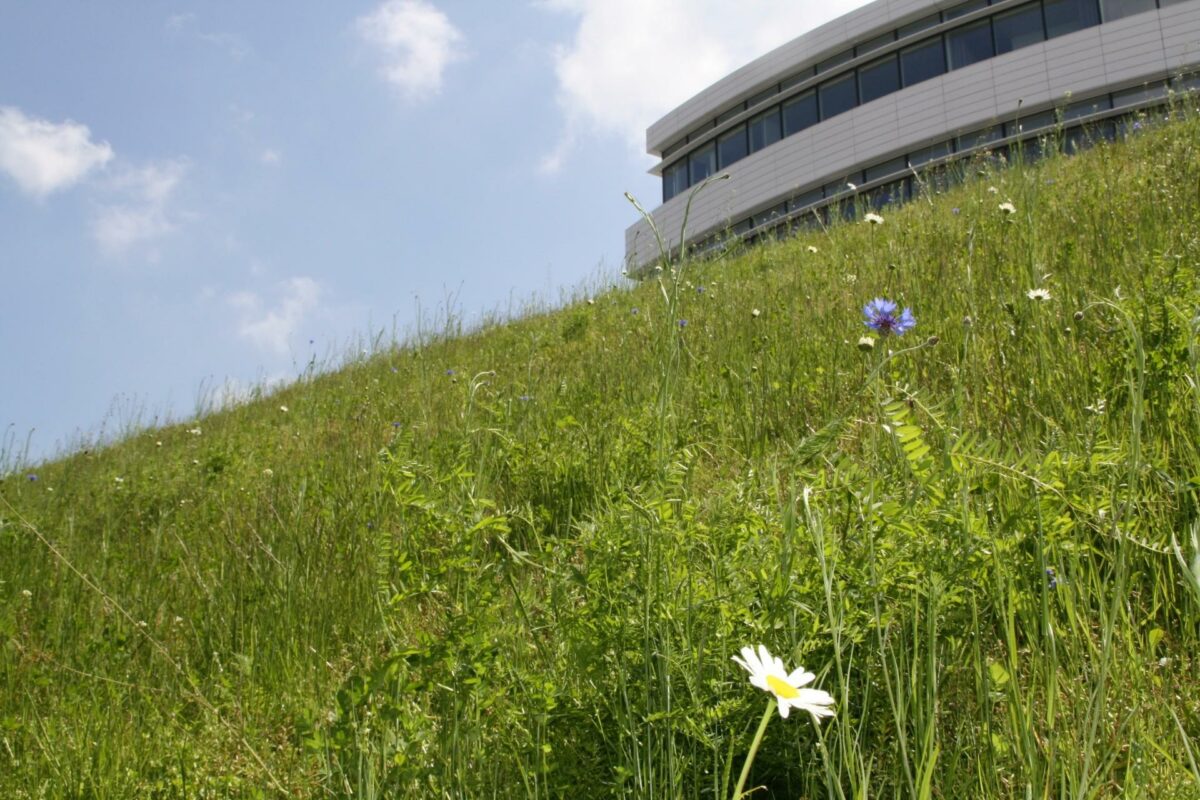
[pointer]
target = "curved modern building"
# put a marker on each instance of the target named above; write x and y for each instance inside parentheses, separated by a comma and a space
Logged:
(858, 107)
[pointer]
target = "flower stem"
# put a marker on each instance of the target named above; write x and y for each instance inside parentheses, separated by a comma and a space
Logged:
(762, 727)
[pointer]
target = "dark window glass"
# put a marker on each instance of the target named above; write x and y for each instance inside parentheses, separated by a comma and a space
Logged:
(1068, 16)
(837, 96)
(1165, 3)
(969, 44)
(1141, 94)
(923, 24)
(807, 199)
(1115, 9)
(923, 61)
(1085, 107)
(876, 43)
(889, 193)
(763, 95)
(702, 163)
(1018, 28)
(927, 154)
(800, 113)
(883, 170)
(797, 79)
(979, 137)
(731, 147)
(835, 61)
(731, 113)
(963, 10)
(1031, 122)
(700, 132)
(764, 130)
(674, 179)
(877, 79)
(769, 216)
(741, 227)
(674, 147)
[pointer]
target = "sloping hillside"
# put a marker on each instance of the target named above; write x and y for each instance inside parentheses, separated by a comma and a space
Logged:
(518, 562)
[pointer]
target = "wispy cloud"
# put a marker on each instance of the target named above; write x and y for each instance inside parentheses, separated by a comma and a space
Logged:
(271, 157)
(139, 213)
(417, 43)
(234, 45)
(43, 156)
(622, 69)
(271, 326)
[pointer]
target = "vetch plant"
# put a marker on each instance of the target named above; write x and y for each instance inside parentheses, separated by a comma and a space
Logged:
(787, 691)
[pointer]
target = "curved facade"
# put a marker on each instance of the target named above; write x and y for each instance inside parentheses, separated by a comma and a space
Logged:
(854, 107)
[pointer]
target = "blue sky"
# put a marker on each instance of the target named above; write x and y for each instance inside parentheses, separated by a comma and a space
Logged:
(201, 197)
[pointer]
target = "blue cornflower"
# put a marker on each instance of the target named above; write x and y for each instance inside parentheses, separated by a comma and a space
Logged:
(701, 290)
(1051, 578)
(525, 398)
(954, 210)
(683, 323)
(450, 372)
(881, 317)
(31, 477)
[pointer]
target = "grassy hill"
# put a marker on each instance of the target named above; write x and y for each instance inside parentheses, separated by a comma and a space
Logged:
(517, 562)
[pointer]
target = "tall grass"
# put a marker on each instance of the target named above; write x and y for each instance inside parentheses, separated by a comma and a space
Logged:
(515, 561)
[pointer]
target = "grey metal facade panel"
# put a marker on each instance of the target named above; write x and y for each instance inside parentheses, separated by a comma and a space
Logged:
(1140, 48)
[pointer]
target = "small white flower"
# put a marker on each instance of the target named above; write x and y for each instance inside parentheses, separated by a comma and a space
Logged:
(284, 409)
(755, 313)
(194, 431)
(852, 187)
(118, 479)
(767, 673)
(268, 472)
(812, 248)
(158, 444)
(1008, 208)
(993, 190)
(873, 218)
(866, 343)
(1097, 407)
(1038, 295)
(26, 594)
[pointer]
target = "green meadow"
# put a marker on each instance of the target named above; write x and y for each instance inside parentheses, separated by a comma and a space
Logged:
(517, 560)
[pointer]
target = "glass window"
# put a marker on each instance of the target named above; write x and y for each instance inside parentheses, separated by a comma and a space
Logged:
(1086, 107)
(807, 199)
(1018, 28)
(963, 10)
(927, 154)
(700, 132)
(764, 130)
(923, 24)
(769, 216)
(969, 44)
(800, 113)
(1032, 122)
(838, 95)
(835, 61)
(979, 138)
(1115, 9)
(883, 170)
(797, 79)
(731, 147)
(923, 61)
(877, 79)
(702, 163)
(876, 43)
(674, 179)
(893, 192)
(674, 148)
(1142, 94)
(1068, 16)
(765, 94)
(731, 113)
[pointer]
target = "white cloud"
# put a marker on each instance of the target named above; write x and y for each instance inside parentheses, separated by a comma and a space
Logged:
(43, 156)
(631, 61)
(139, 214)
(417, 42)
(271, 328)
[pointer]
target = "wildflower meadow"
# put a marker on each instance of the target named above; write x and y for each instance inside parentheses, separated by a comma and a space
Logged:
(928, 481)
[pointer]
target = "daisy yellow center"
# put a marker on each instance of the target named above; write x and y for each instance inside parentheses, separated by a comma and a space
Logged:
(782, 688)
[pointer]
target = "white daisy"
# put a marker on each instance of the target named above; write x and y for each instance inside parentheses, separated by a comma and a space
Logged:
(1008, 208)
(767, 673)
(873, 218)
(1038, 295)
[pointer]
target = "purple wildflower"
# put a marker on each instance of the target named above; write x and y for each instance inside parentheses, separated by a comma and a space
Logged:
(31, 477)
(954, 210)
(450, 372)
(1051, 578)
(683, 323)
(525, 398)
(633, 311)
(701, 290)
(881, 317)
